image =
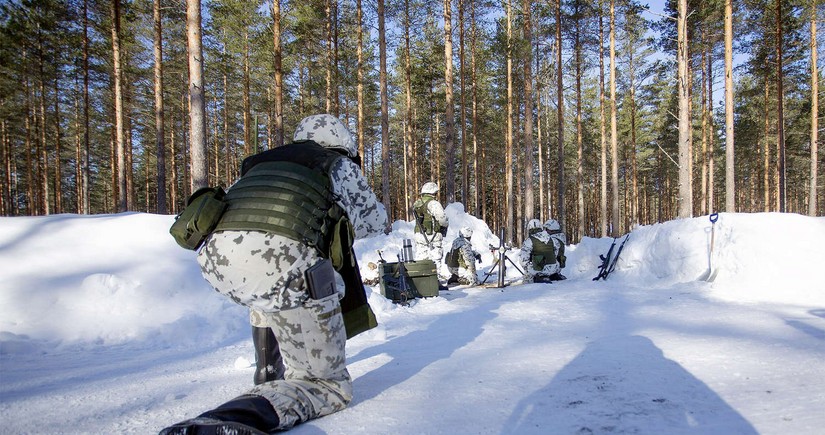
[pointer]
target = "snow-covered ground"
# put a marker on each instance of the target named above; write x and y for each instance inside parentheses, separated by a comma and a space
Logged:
(106, 326)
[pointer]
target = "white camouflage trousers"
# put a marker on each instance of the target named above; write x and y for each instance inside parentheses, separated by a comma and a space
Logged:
(430, 251)
(265, 272)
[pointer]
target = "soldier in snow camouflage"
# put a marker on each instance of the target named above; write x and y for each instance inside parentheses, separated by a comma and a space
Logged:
(461, 259)
(263, 266)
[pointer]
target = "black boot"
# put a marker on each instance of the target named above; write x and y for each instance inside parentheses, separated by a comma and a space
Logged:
(244, 415)
(268, 361)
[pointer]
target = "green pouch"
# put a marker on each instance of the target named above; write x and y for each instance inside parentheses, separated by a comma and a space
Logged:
(202, 213)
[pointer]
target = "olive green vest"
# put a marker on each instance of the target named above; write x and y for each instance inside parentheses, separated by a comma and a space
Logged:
(286, 191)
(543, 253)
(425, 222)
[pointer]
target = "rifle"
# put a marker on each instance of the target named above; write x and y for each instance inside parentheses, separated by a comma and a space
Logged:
(605, 262)
(420, 221)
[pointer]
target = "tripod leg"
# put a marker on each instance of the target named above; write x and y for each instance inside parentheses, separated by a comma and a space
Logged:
(489, 272)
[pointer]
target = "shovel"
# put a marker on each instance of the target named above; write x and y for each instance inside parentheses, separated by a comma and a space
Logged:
(710, 275)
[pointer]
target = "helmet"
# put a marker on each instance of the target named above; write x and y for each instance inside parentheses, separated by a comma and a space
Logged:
(327, 131)
(466, 232)
(533, 224)
(552, 225)
(429, 187)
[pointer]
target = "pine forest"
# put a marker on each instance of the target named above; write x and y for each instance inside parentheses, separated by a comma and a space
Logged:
(602, 114)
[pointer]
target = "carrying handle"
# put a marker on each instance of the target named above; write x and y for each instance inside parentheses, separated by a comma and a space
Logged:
(714, 217)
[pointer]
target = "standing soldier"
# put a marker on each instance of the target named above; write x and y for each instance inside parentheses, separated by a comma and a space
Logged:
(283, 248)
(430, 224)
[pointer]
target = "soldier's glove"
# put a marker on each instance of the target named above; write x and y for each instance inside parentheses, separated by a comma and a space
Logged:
(478, 257)
(443, 231)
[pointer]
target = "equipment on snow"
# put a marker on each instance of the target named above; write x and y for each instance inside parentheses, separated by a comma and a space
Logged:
(502, 257)
(407, 280)
(609, 264)
(711, 273)
(605, 262)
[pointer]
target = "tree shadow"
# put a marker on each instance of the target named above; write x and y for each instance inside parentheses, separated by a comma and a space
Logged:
(625, 384)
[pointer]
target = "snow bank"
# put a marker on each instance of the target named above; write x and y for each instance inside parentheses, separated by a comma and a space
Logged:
(72, 280)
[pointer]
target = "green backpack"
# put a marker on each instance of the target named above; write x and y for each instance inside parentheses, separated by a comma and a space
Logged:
(202, 213)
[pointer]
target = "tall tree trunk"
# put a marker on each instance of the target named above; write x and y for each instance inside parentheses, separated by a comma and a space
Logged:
(508, 165)
(385, 123)
(579, 142)
(529, 163)
(780, 103)
(58, 175)
(602, 127)
(560, 95)
(411, 183)
(766, 175)
(685, 187)
(277, 60)
(465, 182)
(711, 140)
(197, 103)
(449, 116)
(812, 198)
(730, 186)
(703, 204)
(614, 139)
(247, 115)
(86, 142)
(360, 48)
(159, 131)
(120, 140)
(478, 166)
(542, 215)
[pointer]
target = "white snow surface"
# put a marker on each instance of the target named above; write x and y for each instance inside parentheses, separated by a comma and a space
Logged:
(106, 326)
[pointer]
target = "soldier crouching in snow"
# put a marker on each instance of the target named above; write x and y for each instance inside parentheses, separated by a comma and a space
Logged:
(461, 259)
(542, 253)
(283, 248)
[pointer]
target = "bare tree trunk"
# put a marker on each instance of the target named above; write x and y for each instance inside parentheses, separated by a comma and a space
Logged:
(812, 199)
(360, 48)
(560, 91)
(579, 141)
(508, 165)
(766, 175)
(542, 215)
(730, 186)
(58, 175)
(478, 206)
(634, 191)
(529, 163)
(449, 118)
(120, 142)
(385, 123)
(411, 183)
(614, 139)
(159, 131)
(685, 188)
(711, 142)
(704, 176)
(277, 59)
(465, 183)
(197, 110)
(780, 103)
(602, 126)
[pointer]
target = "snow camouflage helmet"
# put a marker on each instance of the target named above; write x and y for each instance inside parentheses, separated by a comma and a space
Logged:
(533, 224)
(327, 131)
(430, 187)
(466, 232)
(552, 225)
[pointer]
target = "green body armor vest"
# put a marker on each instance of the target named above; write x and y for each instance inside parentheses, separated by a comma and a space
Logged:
(286, 191)
(543, 253)
(425, 222)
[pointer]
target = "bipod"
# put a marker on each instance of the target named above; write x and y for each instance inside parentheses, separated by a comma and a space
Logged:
(500, 262)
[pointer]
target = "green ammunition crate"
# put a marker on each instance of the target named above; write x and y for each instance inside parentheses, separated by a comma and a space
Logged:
(421, 282)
